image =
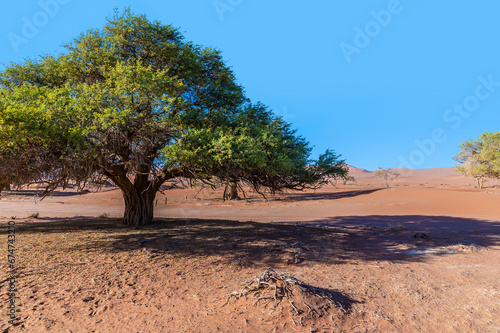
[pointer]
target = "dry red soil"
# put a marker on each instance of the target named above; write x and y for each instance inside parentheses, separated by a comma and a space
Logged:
(420, 256)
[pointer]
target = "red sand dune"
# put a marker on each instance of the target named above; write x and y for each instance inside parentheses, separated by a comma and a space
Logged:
(356, 170)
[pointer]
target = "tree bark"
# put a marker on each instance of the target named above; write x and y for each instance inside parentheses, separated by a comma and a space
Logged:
(139, 197)
(138, 207)
(480, 182)
(231, 191)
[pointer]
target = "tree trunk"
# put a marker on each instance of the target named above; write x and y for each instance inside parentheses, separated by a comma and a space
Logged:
(231, 191)
(139, 206)
(139, 195)
(4, 186)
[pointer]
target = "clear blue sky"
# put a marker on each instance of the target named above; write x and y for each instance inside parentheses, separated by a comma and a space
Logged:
(384, 83)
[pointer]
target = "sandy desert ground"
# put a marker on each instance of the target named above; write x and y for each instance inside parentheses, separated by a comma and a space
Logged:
(421, 256)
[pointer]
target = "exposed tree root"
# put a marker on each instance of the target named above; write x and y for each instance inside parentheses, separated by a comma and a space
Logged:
(271, 286)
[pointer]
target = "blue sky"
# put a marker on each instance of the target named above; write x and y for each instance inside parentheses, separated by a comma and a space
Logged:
(385, 83)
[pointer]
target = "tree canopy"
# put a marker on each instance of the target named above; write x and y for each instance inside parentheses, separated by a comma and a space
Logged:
(139, 105)
(480, 158)
(256, 149)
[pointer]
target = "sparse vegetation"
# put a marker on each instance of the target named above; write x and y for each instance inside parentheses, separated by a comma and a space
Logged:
(389, 175)
(34, 215)
(350, 179)
(480, 158)
(395, 227)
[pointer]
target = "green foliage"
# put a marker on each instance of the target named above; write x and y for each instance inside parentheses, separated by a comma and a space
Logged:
(136, 103)
(114, 99)
(480, 158)
(257, 149)
(389, 175)
(39, 136)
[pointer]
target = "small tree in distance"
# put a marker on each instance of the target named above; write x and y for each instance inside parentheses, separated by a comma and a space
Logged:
(389, 175)
(349, 179)
(480, 158)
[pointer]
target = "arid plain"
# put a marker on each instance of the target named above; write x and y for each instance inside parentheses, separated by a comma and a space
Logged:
(420, 256)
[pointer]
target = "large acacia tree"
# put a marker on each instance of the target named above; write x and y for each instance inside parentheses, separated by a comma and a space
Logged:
(139, 105)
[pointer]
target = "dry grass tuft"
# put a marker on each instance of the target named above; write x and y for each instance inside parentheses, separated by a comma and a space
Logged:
(394, 227)
(34, 215)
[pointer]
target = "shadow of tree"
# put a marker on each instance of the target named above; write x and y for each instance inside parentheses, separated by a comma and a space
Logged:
(297, 196)
(39, 193)
(256, 246)
(412, 237)
(232, 241)
(330, 240)
(303, 196)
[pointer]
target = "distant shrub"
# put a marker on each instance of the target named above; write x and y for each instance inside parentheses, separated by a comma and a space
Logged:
(34, 215)
(393, 227)
(387, 174)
